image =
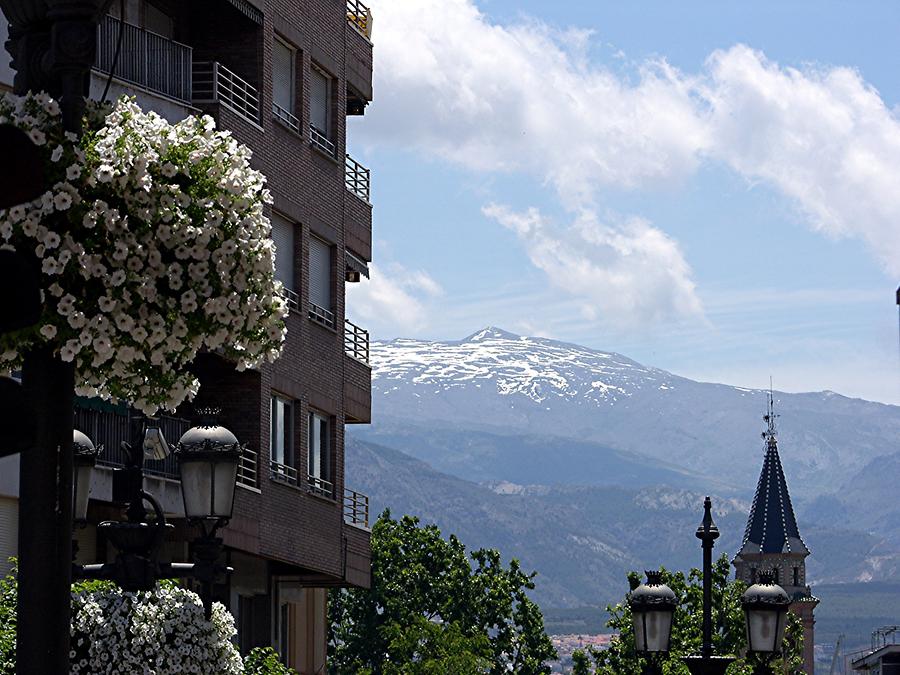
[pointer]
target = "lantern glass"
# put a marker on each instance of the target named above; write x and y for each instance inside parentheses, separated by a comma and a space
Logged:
(82, 490)
(652, 629)
(765, 629)
(196, 487)
(225, 481)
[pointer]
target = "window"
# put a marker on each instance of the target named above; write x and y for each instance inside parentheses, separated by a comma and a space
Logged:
(796, 576)
(319, 453)
(282, 439)
(320, 128)
(320, 282)
(283, 232)
(283, 79)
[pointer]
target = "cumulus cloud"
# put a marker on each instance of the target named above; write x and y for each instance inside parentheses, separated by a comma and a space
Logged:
(525, 98)
(392, 300)
(629, 272)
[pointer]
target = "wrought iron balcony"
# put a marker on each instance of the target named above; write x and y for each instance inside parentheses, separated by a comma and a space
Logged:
(248, 469)
(360, 17)
(214, 83)
(356, 342)
(145, 58)
(357, 178)
(287, 117)
(291, 297)
(320, 486)
(283, 473)
(356, 508)
(320, 140)
(321, 315)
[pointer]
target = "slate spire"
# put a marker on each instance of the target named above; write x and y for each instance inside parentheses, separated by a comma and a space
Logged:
(772, 526)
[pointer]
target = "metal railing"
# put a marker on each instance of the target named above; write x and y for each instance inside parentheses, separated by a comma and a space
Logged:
(291, 297)
(357, 178)
(320, 486)
(213, 82)
(286, 116)
(320, 140)
(145, 58)
(356, 342)
(283, 473)
(321, 315)
(111, 427)
(248, 469)
(360, 17)
(356, 508)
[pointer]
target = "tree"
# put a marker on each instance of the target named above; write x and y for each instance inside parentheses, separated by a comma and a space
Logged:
(729, 636)
(433, 610)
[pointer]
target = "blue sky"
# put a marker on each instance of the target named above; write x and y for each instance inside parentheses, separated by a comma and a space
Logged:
(700, 186)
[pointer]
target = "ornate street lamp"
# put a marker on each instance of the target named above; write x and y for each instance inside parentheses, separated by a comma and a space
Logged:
(652, 606)
(208, 456)
(765, 604)
(84, 461)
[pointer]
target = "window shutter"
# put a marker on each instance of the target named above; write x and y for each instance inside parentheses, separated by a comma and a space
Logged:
(319, 100)
(320, 273)
(283, 236)
(283, 76)
(9, 532)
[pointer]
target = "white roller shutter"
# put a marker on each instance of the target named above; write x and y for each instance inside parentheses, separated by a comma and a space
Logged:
(9, 532)
(283, 236)
(319, 98)
(320, 273)
(283, 76)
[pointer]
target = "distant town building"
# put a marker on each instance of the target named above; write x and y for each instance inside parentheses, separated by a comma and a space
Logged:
(772, 541)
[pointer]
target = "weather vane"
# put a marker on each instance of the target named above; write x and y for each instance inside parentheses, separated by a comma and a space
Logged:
(770, 434)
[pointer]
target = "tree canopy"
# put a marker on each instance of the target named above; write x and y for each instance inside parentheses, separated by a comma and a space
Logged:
(434, 609)
(729, 636)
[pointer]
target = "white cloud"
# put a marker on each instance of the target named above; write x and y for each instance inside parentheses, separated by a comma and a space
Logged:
(393, 301)
(525, 98)
(629, 272)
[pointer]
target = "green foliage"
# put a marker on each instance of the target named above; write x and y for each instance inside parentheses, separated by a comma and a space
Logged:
(8, 600)
(729, 637)
(432, 610)
(265, 661)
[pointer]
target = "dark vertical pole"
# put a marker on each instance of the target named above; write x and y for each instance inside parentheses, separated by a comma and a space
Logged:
(45, 518)
(707, 533)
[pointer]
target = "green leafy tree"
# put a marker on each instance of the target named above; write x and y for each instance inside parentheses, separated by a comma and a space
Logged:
(729, 636)
(433, 609)
(8, 600)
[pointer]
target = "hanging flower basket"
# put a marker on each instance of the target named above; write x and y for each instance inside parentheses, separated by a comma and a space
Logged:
(152, 245)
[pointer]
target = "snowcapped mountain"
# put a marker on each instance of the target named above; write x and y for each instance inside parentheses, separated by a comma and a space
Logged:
(499, 406)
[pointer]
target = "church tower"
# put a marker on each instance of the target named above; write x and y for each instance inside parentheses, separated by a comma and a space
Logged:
(772, 540)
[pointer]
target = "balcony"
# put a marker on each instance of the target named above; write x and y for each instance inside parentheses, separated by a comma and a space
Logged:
(291, 298)
(357, 375)
(286, 117)
(282, 473)
(356, 508)
(319, 486)
(214, 83)
(145, 58)
(248, 469)
(357, 178)
(360, 17)
(356, 342)
(322, 316)
(318, 139)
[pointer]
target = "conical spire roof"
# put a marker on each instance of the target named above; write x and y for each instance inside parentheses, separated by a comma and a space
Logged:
(772, 527)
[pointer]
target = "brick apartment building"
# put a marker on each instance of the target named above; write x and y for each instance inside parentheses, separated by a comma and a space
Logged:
(282, 76)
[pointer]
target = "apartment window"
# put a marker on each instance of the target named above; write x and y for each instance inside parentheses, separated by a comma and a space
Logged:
(320, 281)
(320, 127)
(282, 439)
(319, 453)
(283, 233)
(283, 79)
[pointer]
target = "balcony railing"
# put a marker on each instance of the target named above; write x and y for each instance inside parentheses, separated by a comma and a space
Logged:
(320, 486)
(291, 297)
(320, 140)
(356, 508)
(357, 178)
(360, 17)
(214, 83)
(283, 473)
(145, 58)
(112, 427)
(321, 315)
(287, 117)
(248, 469)
(356, 342)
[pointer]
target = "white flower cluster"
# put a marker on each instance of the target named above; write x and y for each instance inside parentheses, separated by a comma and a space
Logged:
(158, 632)
(152, 246)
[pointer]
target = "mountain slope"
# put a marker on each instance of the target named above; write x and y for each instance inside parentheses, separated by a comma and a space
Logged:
(499, 384)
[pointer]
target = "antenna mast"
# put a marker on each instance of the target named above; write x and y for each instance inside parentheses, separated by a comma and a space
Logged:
(770, 435)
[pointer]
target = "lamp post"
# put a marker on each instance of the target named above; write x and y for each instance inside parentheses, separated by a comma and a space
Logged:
(652, 606)
(85, 459)
(765, 605)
